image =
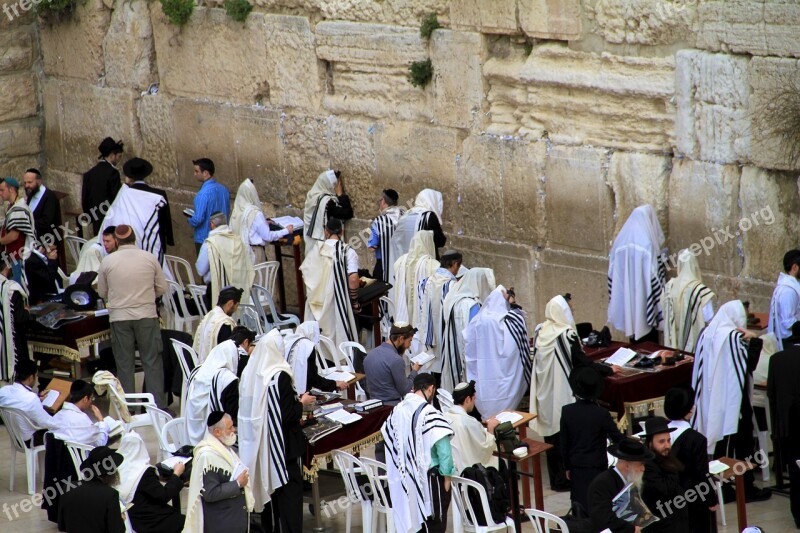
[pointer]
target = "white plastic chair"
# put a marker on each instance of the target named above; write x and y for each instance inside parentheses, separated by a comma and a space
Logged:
(538, 518)
(273, 319)
(347, 348)
(173, 434)
(248, 317)
(760, 400)
(181, 270)
(181, 317)
(463, 506)
(198, 293)
(159, 419)
(131, 400)
(11, 418)
(78, 453)
(266, 275)
(186, 355)
(376, 474)
(74, 246)
(349, 466)
(387, 308)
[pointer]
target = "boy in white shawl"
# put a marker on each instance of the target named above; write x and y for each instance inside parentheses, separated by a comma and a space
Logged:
(218, 323)
(687, 305)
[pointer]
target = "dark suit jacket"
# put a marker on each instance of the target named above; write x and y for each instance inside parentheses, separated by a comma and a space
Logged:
(224, 504)
(659, 488)
(151, 512)
(602, 490)
(42, 278)
(100, 184)
(585, 426)
(91, 508)
(164, 216)
(690, 448)
(291, 413)
(47, 214)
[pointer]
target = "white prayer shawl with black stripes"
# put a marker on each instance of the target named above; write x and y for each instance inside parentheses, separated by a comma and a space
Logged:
(431, 323)
(203, 391)
(298, 348)
(385, 224)
(231, 262)
(410, 433)
(409, 269)
(8, 349)
(719, 375)
(261, 443)
(315, 211)
(493, 359)
(205, 337)
(327, 295)
(20, 217)
(427, 204)
(683, 301)
(138, 209)
(637, 274)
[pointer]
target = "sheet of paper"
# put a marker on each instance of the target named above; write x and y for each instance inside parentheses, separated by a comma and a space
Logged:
(343, 417)
(238, 470)
(621, 357)
(50, 398)
(508, 416)
(423, 358)
(285, 221)
(716, 467)
(339, 375)
(170, 462)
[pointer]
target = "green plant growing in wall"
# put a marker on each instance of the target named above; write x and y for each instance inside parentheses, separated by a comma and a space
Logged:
(178, 12)
(429, 24)
(56, 9)
(420, 73)
(238, 9)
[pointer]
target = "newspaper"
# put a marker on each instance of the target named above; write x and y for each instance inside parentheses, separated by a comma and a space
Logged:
(629, 506)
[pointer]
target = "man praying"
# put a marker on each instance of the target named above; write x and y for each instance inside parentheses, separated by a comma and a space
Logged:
(381, 231)
(409, 271)
(326, 200)
(224, 259)
(687, 305)
(472, 443)
(212, 386)
(426, 215)
(218, 323)
(249, 222)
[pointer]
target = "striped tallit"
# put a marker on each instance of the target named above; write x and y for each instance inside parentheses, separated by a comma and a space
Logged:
(230, 260)
(315, 211)
(20, 218)
(516, 325)
(385, 224)
(8, 348)
(431, 323)
(138, 209)
(203, 391)
(682, 302)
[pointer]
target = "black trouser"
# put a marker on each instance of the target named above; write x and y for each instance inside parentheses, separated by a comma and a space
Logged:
(285, 512)
(440, 503)
(790, 453)
(740, 445)
(579, 480)
(555, 463)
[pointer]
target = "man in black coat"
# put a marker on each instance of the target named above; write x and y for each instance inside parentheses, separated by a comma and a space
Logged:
(662, 490)
(44, 204)
(102, 183)
(136, 170)
(41, 274)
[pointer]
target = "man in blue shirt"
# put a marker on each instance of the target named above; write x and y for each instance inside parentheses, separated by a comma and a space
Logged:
(212, 197)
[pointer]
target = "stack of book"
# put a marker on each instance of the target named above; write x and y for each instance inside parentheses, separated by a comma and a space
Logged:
(368, 405)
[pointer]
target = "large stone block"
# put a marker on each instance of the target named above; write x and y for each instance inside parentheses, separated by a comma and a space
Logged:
(648, 22)
(17, 18)
(18, 96)
(306, 154)
(579, 203)
(704, 213)
(458, 91)
(20, 138)
(69, 183)
(712, 120)
(128, 46)
(757, 27)
(373, 44)
(17, 50)
(411, 12)
(770, 220)
(551, 19)
(73, 48)
(259, 153)
(213, 57)
(583, 98)
(158, 138)
(16, 166)
(639, 179)
(485, 16)
(294, 79)
(351, 145)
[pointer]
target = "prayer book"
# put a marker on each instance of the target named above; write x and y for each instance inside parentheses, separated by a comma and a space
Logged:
(57, 392)
(423, 358)
(621, 357)
(50, 398)
(319, 430)
(339, 375)
(367, 405)
(238, 470)
(716, 467)
(343, 417)
(325, 409)
(324, 397)
(188, 212)
(508, 416)
(114, 427)
(170, 462)
(285, 221)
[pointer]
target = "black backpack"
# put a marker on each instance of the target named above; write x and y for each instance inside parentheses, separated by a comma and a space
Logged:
(496, 490)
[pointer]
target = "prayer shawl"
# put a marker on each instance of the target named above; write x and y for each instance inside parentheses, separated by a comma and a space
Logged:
(386, 223)
(410, 432)
(786, 283)
(472, 289)
(315, 212)
(210, 454)
(135, 463)
(260, 424)
(471, 442)
(683, 301)
(552, 365)
(245, 208)
(205, 338)
(231, 262)
(409, 270)
(719, 374)
(431, 321)
(299, 347)
(493, 357)
(636, 274)
(427, 204)
(20, 217)
(327, 294)
(204, 388)
(8, 349)
(139, 209)
(103, 380)
(89, 260)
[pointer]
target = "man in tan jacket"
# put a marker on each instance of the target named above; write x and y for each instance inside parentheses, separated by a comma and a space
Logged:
(130, 280)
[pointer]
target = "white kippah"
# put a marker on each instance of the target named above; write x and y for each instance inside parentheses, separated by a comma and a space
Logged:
(461, 386)
(752, 529)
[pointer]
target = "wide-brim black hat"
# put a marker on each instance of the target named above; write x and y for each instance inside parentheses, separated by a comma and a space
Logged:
(656, 425)
(629, 449)
(678, 402)
(586, 382)
(137, 168)
(97, 456)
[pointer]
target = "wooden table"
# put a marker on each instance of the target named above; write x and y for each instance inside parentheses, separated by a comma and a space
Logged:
(372, 297)
(279, 255)
(75, 342)
(535, 450)
(736, 469)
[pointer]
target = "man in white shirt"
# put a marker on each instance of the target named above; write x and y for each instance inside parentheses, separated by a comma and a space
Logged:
(224, 259)
(20, 396)
(471, 442)
(784, 309)
(249, 221)
(72, 422)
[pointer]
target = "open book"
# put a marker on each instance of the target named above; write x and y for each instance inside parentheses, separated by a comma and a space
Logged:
(423, 358)
(629, 506)
(115, 427)
(319, 430)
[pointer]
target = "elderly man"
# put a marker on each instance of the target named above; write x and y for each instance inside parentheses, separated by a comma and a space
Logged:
(213, 197)
(129, 281)
(218, 324)
(17, 232)
(324, 201)
(248, 220)
(220, 498)
(13, 315)
(472, 443)
(784, 309)
(102, 183)
(381, 231)
(224, 259)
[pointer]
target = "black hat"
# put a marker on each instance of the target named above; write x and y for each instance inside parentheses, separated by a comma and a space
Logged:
(391, 195)
(137, 168)
(657, 424)
(334, 225)
(24, 369)
(629, 449)
(214, 417)
(96, 460)
(108, 146)
(452, 255)
(402, 328)
(586, 382)
(678, 402)
(423, 381)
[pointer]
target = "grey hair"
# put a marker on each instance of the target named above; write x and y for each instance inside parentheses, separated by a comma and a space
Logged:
(219, 219)
(221, 424)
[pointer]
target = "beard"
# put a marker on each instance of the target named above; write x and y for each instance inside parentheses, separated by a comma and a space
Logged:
(635, 478)
(669, 463)
(33, 191)
(229, 440)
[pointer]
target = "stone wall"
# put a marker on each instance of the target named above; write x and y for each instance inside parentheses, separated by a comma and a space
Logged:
(546, 123)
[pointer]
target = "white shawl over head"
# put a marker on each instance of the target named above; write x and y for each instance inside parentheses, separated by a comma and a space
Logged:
(315, 212)
(245, 208)
(138, 209)
(136, 462)
(410, 433)
(231, 262)
(205, 385)
(431, 323)
(720, 374)
(636, 274)
(8, 349)
(682, 302)
(409, 269)
(205, 337)
(260, 430)
(427, 204)
(786, 283)
(299, 346)
(89, 260)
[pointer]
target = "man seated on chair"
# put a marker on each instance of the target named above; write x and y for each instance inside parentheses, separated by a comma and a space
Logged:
(41, 274)
(93, 252)
(72, 421)
(475, 443)
(20, 396)
(212, 386)
(218, 324)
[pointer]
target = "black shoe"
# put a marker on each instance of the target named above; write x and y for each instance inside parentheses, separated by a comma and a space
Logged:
(560, 488)
(758, 495)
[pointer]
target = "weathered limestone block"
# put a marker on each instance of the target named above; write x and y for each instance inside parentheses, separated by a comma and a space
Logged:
(770, 204)
(294, 80)
(649, 22)
(69, 183)
(20, 138)
(229, 68)
(458, 91)
(259, 152)
(16, 50)
(351, 145)
(306, 154)
(757, 27)
(128, 46)
(579, 203)
(713, 93)
(73, 48)
(16, 166)
(583, 98)
(411, 12)
(550, 19)
(375, 44)
(158, 138)
(703, 214)
(639, 179)
(485, 16)
(17, 19)
(18, 97)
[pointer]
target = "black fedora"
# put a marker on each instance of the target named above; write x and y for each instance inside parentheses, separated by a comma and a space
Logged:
(656, 425)
(629, 449)
(678, 402)
(137, 168)
(586, 382)
(97, 460)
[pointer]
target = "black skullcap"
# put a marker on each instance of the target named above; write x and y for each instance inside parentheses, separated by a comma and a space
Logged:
(392, 195)
(109, 145)
(423, 381)
(229, 293)
(79, 390)
(334, 225)
(214, 417)
(24, 369)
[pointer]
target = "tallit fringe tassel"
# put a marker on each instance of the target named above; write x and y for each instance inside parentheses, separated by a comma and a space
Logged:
(310, 474)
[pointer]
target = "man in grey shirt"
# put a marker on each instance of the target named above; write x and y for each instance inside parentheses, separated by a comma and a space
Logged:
(385, 368)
